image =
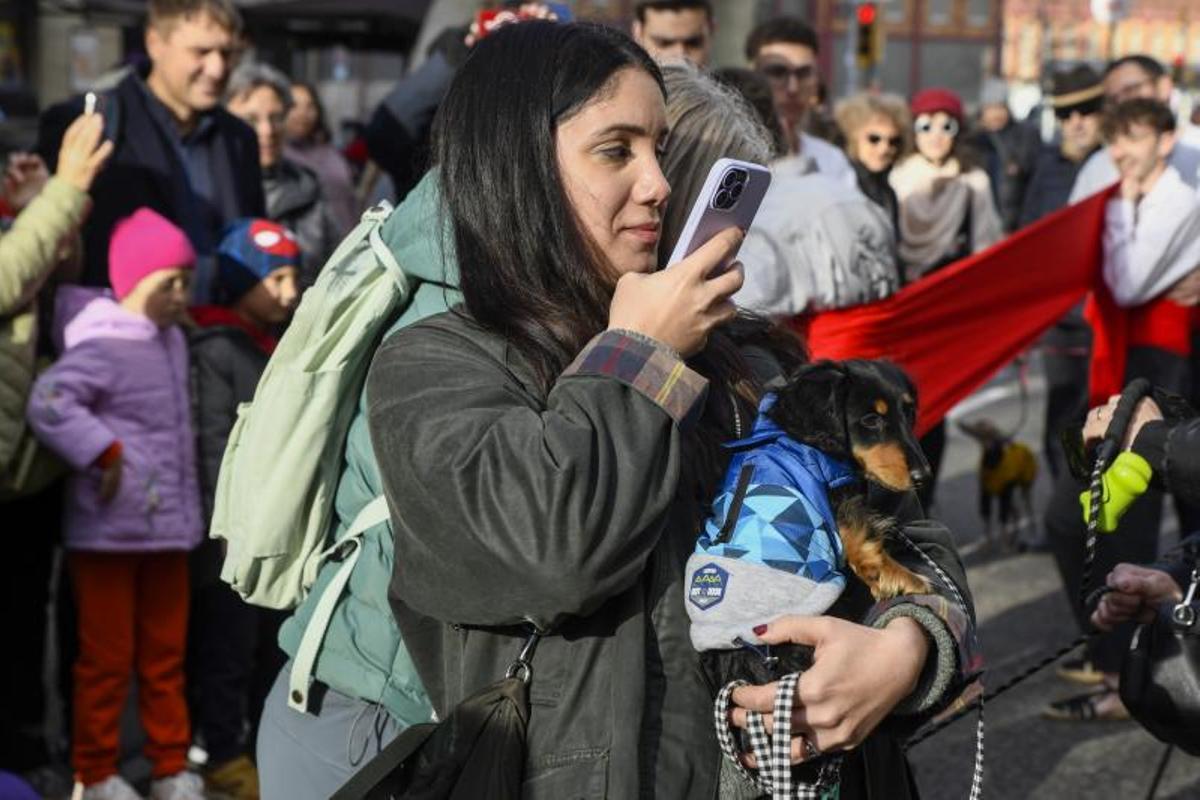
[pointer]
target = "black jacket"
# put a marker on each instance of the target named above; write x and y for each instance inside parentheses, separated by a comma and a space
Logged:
(1049, 187)
(1009, 155)
(399, 133)
(1174, 454)
(145, 170)
(225, 367)
(879, 191)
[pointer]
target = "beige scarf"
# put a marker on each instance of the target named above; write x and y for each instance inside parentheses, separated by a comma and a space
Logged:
(933, 204)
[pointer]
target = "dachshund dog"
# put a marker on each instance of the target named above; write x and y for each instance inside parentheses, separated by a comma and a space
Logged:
(854, 420)
(861, 413)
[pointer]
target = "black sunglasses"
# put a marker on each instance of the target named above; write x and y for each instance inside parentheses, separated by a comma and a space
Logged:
(779, 73)
(893, 141)
(1085, 108)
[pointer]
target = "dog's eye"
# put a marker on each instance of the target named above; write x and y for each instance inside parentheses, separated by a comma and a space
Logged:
(871, 421)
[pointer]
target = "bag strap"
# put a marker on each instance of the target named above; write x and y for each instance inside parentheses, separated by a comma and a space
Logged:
(350, 546)
(364, 783)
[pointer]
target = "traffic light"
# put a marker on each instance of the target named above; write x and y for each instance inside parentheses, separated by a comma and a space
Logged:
(867, 40)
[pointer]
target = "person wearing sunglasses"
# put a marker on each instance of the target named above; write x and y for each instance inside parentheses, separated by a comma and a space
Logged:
(877, 131)
(946, 208)
(946, 212)
(1129, 78)
(1077, 97)
(784, 50)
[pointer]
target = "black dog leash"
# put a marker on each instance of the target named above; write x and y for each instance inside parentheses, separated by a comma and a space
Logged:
(1105, 453)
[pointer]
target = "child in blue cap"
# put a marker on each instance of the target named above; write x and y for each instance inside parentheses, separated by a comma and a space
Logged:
(232, 656)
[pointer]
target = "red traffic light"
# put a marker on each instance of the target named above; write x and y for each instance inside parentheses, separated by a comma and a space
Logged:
(866, 13)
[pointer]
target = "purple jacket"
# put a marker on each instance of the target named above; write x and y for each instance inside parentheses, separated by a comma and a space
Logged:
(120, 378)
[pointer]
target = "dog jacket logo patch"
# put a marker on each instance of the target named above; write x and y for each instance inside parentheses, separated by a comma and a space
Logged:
(708, 586)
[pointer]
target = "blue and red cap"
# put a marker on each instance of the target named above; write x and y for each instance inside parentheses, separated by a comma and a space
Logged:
(250, 250)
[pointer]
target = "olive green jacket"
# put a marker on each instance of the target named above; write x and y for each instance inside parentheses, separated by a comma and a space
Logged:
(29, 255)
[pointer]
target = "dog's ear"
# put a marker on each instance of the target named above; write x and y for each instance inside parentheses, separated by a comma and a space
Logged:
(893, 372)
(811, 407)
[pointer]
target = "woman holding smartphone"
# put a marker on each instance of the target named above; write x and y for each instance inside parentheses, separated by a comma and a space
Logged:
(546, 450)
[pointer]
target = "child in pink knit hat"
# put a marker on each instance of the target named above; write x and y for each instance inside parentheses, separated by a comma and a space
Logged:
(115, 407)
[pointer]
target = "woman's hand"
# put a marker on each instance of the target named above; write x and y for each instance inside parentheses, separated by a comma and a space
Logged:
(858, 676)
(1136, 594)
(680, 306)
(82, 154)
(1100, 417)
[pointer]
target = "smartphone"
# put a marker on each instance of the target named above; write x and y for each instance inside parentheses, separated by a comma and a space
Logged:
(730, 198)
(89, 103)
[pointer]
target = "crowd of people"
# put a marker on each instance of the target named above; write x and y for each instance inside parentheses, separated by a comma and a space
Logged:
(546, 413)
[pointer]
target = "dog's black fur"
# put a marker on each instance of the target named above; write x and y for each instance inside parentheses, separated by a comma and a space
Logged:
(861, 413)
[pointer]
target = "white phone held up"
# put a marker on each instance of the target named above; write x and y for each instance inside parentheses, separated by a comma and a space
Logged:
(89, 103)
(730, 198)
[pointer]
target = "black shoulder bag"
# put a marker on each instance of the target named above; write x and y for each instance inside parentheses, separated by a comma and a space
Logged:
(476, 753)
(1160, 677)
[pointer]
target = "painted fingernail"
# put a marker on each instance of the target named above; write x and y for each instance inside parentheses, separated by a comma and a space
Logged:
(759, 630)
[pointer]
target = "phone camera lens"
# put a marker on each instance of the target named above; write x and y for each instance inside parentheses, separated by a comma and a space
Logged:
(733, 178)
(736, 191)
(722, 200)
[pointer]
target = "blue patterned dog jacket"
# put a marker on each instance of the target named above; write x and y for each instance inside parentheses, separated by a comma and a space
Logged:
(771, 546)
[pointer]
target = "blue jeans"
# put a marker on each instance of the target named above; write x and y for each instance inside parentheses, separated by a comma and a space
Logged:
(311, 755)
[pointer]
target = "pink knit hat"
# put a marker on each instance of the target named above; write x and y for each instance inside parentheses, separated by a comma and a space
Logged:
(142, 243)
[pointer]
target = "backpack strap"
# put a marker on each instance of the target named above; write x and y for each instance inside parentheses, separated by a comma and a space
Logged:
(372, 778)
(350, 548)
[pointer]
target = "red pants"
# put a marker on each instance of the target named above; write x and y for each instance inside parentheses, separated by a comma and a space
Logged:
(133, 613)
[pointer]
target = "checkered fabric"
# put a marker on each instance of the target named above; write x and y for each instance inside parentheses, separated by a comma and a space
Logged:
(653, 370)
(773, 751)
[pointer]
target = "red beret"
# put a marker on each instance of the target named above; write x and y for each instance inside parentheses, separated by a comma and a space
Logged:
(931, 101)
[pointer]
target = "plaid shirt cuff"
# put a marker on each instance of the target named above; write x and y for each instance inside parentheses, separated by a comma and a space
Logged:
(651, 368)
(958, 659)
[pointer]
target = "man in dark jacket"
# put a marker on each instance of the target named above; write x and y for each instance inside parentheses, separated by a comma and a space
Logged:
(232, 655)
(177, 151)
(1077, 98)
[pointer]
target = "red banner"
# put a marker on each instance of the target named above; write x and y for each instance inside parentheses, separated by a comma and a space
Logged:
(953, 330)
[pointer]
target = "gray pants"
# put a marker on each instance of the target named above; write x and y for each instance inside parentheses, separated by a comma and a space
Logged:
(311, 755)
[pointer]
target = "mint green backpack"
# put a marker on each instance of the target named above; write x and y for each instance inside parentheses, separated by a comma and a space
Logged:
(275, 494)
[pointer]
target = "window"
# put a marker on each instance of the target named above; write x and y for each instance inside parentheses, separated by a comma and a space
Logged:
(939, 13)
(979, 13)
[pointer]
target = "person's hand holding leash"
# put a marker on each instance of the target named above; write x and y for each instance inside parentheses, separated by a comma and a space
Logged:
(1100, 417)
(1136, 594)
(859, 674)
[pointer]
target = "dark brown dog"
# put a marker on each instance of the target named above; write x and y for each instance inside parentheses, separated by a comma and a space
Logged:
(861, 413)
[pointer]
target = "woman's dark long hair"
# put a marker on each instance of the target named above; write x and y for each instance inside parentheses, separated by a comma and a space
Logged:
(527, 270)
